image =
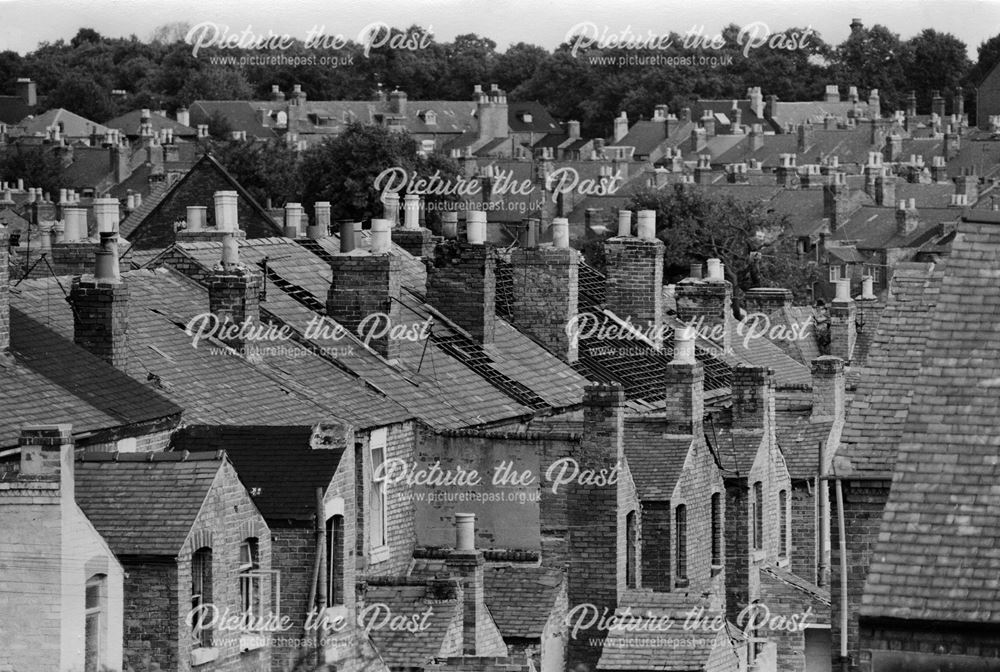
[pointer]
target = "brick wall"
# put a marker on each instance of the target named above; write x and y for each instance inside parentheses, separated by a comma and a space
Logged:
(100, 319)
(176, 258)
(546, 285)
(737, 542)
(364, 285)
(152, 603)
(864, 502)
(461, 283)
(197, 188)
(293, 551)
(227, 517)
(401, 533)
(596, 539)
(657, 555)
(843, 329)
(699, 480)
(804, 561)
(782, 600)
(634, 281)
(234, 296)
(928, 640)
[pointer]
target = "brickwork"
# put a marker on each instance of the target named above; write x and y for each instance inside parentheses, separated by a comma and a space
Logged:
(100, 318)
(546, 285)
(684, 398)
(843, 329)
(293, 552)
(461, 283)
(401, 531)
(209, 235)
(864, 502)
(708, 305)
(737, 535)
(363, 286)
(837, 206)
(927, 640)
(596, 540)
(234, 297)
(418, 242)
(634, 281)
(752, 393)
(804, 562)
(197, 188)
(657, 551)
(782, 599)
(153, 599)
(699, 480)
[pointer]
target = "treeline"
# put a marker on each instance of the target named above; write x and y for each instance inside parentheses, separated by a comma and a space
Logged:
(591, 83)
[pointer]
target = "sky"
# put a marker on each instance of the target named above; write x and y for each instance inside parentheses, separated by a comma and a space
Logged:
(25, 23)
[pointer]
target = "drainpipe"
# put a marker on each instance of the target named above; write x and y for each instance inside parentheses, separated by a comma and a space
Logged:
(822, 522)
(319, 571)
(843, 577)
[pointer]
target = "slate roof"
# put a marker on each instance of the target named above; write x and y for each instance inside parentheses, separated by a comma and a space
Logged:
(938, 547)
(877, 415)
(798, 437)
(279, 468)
(645, 136)
(129, 124)
(655, 458)
(240, 114)
(541, 120)
(736, 448)
(287, 388)
(811, 594)
(144, 503)
(521, 597)
(401, 649)
(459, 383)
(874, 227)
(149, 203)
(74, 126)
(47, 379)
(799, 112)
(685, 647)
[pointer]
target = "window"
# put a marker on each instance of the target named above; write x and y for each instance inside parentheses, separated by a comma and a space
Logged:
(96, 623)
(430, 118)
(201, 596)
(834, 272)
(716, 530)
(758, 515)
(631, 578)
(251, 590)
(379, 515)
(334, 560)
(783, 524)
(680, 516)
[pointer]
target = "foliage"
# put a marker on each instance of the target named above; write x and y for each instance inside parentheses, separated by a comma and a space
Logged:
(343, 169)
(268, 170)
(37, 165)
(755, 246)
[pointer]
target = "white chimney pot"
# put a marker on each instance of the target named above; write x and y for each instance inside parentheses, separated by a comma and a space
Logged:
(624, 223)
(381, 236)
(465, 531)
(560, 232)
(646, 224)
(476, 227)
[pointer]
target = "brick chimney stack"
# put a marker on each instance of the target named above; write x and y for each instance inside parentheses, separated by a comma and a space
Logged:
(620, 127)
(753, 398)
(4, 291)
(968, 184)
(634, 276)
(706, 304)
(837, 204)
(47, 454)
(234, 293)
(320, 227)
(785, 172)
(843, 322)
(546, 295)
(294, 214)
(907, 217)
(885, 189)
(592, 516)
(937, 104)
(832, 94)
(461, 281)
(703, 170)
(100, 306)
(366, 283)
(828, 388)
(684, 381)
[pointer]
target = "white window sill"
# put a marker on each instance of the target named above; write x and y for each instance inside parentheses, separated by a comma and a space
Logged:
(783, 561)
(758, 555)
(377, 555)
(251, 641)
(202, 655)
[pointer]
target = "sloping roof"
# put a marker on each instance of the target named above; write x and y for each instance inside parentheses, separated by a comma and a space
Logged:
(655, 458)
(129, 124)
(441, 638)
(276, 464)
(521, 598)
(287, 388)
(240, 114)
(800, 112)
(48, 377)
(149, 203)
(90, 169)
(645, 136)
(73, 125)
(684, 647)
(541, 120)
(938, 547)
(877, 415)
(144, 503)
(874, 227)
(798, 437)
(736, 448)
(513, 378)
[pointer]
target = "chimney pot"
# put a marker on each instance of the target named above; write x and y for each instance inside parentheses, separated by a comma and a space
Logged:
(411, 212)
(226, 218)
(390, 208)
(476, 227)
(106, 214)
(560, 232)
(715, 270)
(843, 290)
(465, 531)
(381, 236)
(449, 224)
(867, 288)
(684, 338)
(346, 229)
(106, 262)
(624, 223)
(646, 224)
(696, 270)
(230, 252)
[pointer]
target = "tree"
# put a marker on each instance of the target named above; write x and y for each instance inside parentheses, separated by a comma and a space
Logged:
(268, 170)
(219, 126)
(78, 92)
(37, 166)
(215, 83)
(937, 62)
(755, 246)
(874, 58)
(343, 170)
(988, 57)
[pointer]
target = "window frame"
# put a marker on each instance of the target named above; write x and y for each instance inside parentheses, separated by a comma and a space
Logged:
(251, 582)
(632, 549)
(201, 560)
(100, 583)
(758, 515)
(716, 513)
(680, 546)
(378, 441)
(783, 536)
